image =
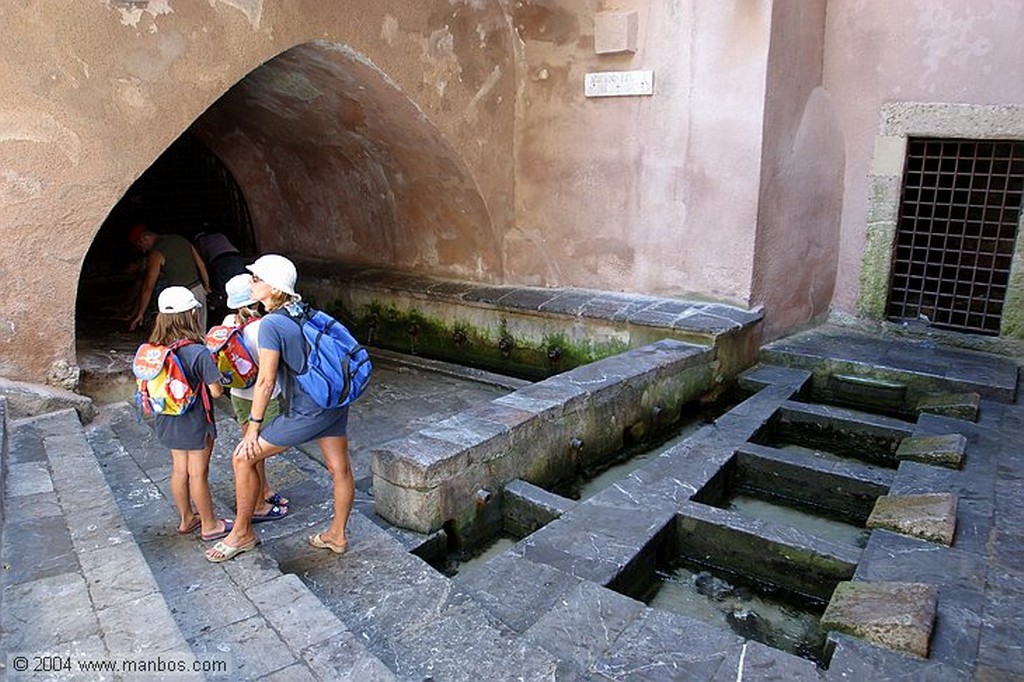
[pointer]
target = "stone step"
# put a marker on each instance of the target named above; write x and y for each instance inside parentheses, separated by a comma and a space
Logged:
(411, 616)
(64, 541)
(262, 620)
(839, 357)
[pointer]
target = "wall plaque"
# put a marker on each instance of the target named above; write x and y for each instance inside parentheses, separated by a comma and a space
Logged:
(618, 83)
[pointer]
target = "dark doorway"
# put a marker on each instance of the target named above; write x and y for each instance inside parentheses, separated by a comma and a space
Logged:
(186, 191)
(957, 231)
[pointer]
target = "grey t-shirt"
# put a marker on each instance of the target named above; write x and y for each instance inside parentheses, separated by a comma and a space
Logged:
(188, 431)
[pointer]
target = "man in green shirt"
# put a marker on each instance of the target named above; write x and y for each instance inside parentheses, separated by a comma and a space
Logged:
(172, 260)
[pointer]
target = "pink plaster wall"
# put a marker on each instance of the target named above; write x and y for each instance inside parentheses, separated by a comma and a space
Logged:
(453, 137)
(938, 51)
(650, 194)
(797, 244)
(93, 92)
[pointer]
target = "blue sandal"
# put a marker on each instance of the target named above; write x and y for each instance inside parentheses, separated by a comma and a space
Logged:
(276, 512)
(276, 499)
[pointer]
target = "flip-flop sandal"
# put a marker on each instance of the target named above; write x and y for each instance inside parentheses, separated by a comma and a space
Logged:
(276, 499)
(217, 535)
(228, 552)
(196, 523)
(320, 543)
(276, 512)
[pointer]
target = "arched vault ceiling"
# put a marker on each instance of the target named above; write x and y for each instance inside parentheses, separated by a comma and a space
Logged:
(337, 163)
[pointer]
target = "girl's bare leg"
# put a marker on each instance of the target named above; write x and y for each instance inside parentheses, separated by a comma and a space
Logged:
(180, 489)
(199, 487)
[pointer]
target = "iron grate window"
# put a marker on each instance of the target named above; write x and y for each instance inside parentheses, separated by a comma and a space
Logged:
(955, 237)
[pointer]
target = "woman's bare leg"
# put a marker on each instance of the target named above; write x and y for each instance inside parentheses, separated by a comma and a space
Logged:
(247, 490)
(335, 451)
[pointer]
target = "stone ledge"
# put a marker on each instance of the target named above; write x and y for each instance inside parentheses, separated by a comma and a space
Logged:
(433, 476)
(707, 317)
(956, 405)
(898, 616)
(538, 331)
(930, 517)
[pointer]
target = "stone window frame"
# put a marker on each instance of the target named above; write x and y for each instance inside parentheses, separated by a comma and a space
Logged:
(898, 122)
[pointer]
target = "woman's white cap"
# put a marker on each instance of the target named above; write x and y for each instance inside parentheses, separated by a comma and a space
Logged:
(177, 300)
(239, 291)
(277, 271)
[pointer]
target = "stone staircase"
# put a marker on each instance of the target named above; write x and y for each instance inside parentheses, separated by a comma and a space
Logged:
(88, 524)
(89, 520)
(64, 541)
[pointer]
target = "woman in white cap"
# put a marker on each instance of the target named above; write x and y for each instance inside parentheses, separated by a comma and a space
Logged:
(282, 355)
(239, 298)
(189, 435)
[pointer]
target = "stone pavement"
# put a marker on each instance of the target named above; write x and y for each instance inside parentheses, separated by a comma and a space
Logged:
(93, 565)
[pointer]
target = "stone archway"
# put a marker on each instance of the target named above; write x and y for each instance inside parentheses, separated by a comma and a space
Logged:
(332, 163)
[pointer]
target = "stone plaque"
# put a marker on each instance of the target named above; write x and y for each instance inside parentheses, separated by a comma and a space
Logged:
(618, 83)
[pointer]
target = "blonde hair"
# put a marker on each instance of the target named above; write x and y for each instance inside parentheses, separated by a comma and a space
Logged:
(278, 299)
(244, 314)
(171, 327)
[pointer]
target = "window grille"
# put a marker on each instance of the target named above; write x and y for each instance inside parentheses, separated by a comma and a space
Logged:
(957, 227)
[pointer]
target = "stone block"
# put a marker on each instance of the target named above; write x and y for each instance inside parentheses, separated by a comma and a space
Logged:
(898, 616)
(956, 405)
(582, 625)
(515, 590)
(418, 510)
(28, 478)
(251, 647)
(659, 645)
(419, 461)
(930, 517)
(30, 622)
(28, 400)
(116, 575)
(549, 398)
(459, 499)
(345, 658)
(143, 625)
(297, 615)
(867, 389)
(466, 429)
(945, 450)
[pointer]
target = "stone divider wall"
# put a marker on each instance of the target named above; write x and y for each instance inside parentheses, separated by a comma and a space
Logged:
(451, 474)
(596, 323)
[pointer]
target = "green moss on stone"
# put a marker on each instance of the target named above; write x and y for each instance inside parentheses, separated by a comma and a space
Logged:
(494, 348)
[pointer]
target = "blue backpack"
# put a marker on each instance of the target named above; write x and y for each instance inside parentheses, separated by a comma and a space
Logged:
(337, 368)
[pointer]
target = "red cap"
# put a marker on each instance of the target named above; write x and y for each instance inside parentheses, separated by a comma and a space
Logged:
(133, 235)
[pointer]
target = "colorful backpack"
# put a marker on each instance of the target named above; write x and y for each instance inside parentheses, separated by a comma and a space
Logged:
(237, 366)
(337, 368)
(162, 387)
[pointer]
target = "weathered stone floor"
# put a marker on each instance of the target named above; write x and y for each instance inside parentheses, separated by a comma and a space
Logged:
(93, 565)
